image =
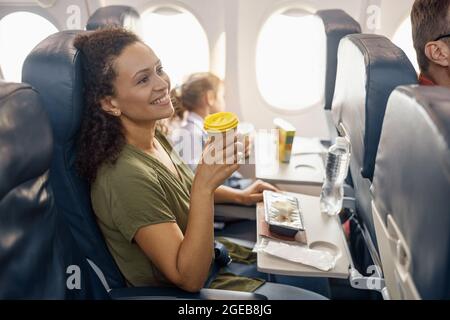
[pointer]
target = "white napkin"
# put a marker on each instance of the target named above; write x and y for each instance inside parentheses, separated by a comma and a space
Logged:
(319, 259)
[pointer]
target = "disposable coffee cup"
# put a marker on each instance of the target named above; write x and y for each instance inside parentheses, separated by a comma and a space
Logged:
(245, 130)
(221, 128)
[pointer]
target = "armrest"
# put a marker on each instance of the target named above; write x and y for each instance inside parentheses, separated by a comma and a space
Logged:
(225, 212)
(172, 293)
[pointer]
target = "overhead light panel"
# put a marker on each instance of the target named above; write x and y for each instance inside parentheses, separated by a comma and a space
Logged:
(46, 3)
(295, 12)
(167, 11)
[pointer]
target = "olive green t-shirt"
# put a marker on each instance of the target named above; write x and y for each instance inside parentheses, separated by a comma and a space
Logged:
(137, 191)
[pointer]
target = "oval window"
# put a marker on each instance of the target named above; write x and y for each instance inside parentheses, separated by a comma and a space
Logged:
(178, 39)
(291, 60)
(17, 41)
(403, 39)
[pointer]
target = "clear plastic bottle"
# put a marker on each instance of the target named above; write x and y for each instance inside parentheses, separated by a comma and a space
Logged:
(338, 161)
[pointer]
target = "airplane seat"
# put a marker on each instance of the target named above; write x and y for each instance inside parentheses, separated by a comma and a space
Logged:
(62, 96)
(337, 25)
(54, 68)
(119, 16)
(411, 189)
(39, 257)
(369, 69)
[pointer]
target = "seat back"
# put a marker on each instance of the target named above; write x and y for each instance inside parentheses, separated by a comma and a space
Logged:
(119, 16)
(39, 258)
(411, 193)
(337, 25)
(54, 69)
(369, 69)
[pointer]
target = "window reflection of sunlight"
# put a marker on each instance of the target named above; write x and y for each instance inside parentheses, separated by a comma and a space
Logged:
(179, 41)
(20, 32)
(403, 39)
(290, 61)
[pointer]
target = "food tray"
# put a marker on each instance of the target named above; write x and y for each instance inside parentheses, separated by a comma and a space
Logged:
(283, 213)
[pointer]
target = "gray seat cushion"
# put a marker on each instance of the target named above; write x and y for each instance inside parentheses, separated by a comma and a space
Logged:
(412, 182)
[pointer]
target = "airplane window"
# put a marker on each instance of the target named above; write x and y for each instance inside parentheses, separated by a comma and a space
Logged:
(403, 39)
(17, 40)
(179, 40)
(290, 60)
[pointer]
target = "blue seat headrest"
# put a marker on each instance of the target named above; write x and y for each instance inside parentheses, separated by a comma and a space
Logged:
(412, 181)
(62, 91)
(337, 25)
(118, 16)
(370, 67)
(25, 136)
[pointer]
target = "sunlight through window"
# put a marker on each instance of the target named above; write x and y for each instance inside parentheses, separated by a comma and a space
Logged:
(179, 41)
(20, 32)
(290, 61)
(403, 39)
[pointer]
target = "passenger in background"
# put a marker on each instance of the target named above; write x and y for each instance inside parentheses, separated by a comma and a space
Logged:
(430, 20)
(200, 95)
(155, 215)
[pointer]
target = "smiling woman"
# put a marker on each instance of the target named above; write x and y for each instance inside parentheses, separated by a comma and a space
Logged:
(101, 137)
(156, 217)
(132, 98)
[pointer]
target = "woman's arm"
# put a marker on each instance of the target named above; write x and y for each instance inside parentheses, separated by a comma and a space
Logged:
(248, 196)
(185, 259)
(224, 194)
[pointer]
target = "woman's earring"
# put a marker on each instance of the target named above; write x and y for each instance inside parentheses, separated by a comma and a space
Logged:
(117, 113)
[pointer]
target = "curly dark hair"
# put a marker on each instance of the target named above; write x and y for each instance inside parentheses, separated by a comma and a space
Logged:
(101, 138)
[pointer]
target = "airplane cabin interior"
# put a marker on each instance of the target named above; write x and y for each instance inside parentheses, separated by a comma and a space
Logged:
(338, 187)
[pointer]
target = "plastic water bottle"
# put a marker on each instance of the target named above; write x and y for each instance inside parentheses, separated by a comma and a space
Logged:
(338, 161)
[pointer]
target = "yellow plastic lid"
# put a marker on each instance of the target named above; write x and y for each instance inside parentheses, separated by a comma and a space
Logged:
(220, 122)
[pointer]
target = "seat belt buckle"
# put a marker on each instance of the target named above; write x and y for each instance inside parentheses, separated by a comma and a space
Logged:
(221, 255)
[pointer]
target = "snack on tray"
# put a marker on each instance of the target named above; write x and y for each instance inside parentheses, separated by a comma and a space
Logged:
(282, 213)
